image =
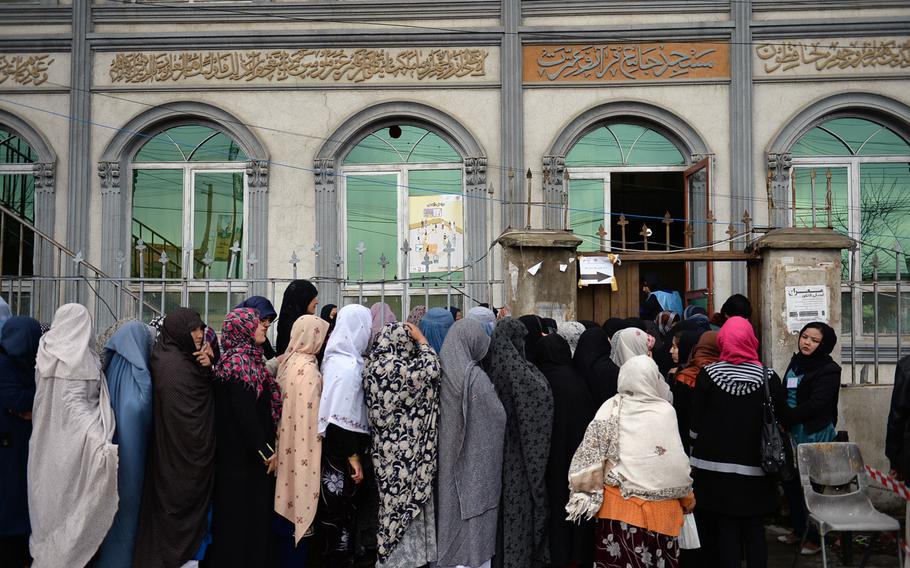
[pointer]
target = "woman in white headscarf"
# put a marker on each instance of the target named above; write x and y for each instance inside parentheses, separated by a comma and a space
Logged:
(72, 465)
(632, 473)
(345, 430)
(628, 343)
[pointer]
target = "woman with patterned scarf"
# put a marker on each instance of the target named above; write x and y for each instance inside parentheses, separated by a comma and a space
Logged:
(401, 383)
(247, 407)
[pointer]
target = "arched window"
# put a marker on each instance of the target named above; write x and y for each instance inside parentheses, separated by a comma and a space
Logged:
(189, 202)
(866, 165)
(402, 182)
(17, 194)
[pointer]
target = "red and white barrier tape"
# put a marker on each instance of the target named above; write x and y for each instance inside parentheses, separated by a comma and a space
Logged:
(889, 482)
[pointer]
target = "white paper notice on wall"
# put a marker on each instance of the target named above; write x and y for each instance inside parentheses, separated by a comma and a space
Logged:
(563, 267)
(533, 270)
(807, 304)
(595, 270)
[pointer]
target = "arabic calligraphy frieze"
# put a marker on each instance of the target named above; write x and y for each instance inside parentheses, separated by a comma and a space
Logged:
(831, 54)
(626, 62)
(337, 65)
(25, 69)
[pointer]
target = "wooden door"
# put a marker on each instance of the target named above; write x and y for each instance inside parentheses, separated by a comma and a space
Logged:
(598, 303)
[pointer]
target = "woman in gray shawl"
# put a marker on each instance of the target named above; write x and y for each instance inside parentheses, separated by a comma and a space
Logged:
(72, 464)
(472, 425)
(528, 401)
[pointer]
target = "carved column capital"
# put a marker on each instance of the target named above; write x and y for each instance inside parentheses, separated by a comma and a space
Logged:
(45, 176)
(257, 175)
(475, 173)
(324, 170)
(554, 171)
(109, 172)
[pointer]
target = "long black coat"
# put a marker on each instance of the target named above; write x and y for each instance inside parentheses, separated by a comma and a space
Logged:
(573, 410)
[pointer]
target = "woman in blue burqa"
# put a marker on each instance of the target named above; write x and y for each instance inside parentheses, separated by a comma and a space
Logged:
(125, 357)
(657, 298)
(18, 347)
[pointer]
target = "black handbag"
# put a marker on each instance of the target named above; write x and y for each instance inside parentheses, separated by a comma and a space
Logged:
(774, 449)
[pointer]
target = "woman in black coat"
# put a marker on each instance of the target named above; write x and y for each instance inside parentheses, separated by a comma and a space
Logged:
(812, 384)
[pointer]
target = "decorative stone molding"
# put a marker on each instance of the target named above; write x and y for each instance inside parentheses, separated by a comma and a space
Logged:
(45, 174)
(779, 169)
(475, 173)
(109, 172)
(324, 171)
(257, 174)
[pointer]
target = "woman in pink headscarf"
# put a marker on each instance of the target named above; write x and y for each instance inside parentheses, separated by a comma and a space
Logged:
(380, 314)
(733, 492)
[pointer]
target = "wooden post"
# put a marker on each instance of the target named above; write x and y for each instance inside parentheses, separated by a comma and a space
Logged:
(793, 197)
(731, 232)
(812, 195)
(770, 197)
(601, 232)
(709, 220)
(565, 191)
(644, 234)
(667, 220)
(622, 227)
(529, 198)
(828, 201)
(747, 223)
(689, 232)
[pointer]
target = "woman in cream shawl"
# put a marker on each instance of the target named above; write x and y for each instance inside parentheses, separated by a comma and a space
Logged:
(72, 464)
(299, 446)
(632, 473)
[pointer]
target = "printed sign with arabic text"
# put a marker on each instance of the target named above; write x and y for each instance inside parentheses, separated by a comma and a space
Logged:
(613, 62)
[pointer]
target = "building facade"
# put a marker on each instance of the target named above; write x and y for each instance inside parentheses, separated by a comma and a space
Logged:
(383, 146)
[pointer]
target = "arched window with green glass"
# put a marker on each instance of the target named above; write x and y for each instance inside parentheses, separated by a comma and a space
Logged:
(854, 173)
(17, 195)
(613, 160)
(189, 202)
(403, 182)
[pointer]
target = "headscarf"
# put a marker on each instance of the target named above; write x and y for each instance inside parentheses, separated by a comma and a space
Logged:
(570, 331)
(242, 360)
(417, 313)
(738, 372)
(802, 364)
(704, 353)
(435, 325)
(484, 316)
(266, 311)
(5, 311)
(68, 354)
(612, 325)
(737, 342)
(326, 314)
(635, 435)
(297, 298)
(588, 323)
(549, 325)
(628, 343)
(299, 449)
(535, 333)
(685, 344)
(126, 354)
(592, 361)
(693, 310)
(665, 321)
(156, 323)
(19, 341)
(455, 311)
(181, 461)
(342, 402)
(401, 383)
(380, 314)
(72, 462)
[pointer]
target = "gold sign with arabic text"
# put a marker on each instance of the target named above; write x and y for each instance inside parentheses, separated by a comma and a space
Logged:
(831, 55)
(635, 62)
(335, 65)
(25, 69)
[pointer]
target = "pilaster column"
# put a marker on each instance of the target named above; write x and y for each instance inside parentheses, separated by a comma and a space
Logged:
(476, 208)
(512, 121)
(741, 172)
(328, 233)
(554, 171)
(257, 179)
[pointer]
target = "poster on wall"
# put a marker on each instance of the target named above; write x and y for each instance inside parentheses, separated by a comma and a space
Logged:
(435, 221)
(806, 304)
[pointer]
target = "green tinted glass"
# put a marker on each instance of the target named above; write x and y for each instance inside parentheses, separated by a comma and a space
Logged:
(849, 137)
(372, 218)
(217, 222)
(624, 145)
(414, 146)
(586, 211)
(840, 213)
(14, 150)
(818, 142)
(435, 221)
(190, 143)
(17, 192)
(885, 216)
(157, 220)
(884, 143)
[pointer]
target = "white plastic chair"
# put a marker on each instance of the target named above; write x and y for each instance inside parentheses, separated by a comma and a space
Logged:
(845, 506)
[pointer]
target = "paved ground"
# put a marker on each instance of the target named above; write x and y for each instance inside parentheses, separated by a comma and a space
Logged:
(781, 555)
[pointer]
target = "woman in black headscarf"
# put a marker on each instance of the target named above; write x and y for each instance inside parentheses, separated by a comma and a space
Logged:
(536, 332)
(528, 402)
(328, 313)
(179, 476)
(570, 543)
(812, 383)
(300, 298)
(592, 361)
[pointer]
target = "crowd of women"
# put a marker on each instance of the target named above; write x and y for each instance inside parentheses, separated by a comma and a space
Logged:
(444, 440)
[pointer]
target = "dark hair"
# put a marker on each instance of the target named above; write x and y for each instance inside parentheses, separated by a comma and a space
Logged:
(737, 305)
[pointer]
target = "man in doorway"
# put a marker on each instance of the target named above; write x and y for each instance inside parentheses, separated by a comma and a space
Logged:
(658, 298)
